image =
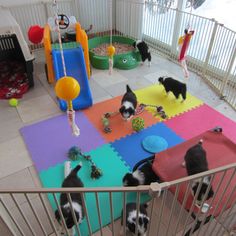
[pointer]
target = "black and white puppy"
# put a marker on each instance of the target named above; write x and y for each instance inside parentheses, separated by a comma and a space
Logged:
(142, 176)
(131, 214)
(196, 162)
(71, 181)
(128, 104)
(174, 86)
(143, 50)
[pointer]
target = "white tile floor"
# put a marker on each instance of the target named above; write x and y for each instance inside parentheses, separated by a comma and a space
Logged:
(16, 169)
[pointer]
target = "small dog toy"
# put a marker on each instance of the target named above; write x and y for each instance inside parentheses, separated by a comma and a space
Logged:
(106, 122)
(138, 124)
(75, 154)
(217, 129)
(159, 110)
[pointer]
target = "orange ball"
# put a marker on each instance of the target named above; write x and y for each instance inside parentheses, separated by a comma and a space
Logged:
(67, 88)
(111, 50)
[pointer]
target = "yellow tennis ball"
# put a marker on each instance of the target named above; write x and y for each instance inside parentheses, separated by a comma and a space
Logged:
(13, 102)
(111, 50)
(67, 88)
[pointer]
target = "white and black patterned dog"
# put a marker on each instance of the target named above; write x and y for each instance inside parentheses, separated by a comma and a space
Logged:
(195, 163)
(143, 50)
(71, 181)
(142, 176)
(174, 86)
(131, 214)
(128, 104)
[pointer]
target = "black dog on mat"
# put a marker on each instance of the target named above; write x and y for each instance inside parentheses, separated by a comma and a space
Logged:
(196, 162)
(128, 104)
(174, 86)
(71, 181)
(142, 176)
(143, 50)
(131, 214)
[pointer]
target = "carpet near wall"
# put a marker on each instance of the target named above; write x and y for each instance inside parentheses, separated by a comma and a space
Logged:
(115, 153)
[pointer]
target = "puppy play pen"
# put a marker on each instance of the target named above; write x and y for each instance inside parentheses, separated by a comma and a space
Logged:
(168, 215)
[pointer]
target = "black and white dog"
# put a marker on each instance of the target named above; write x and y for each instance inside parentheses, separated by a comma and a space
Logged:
(195, 163)
(174, 86)
(143, 176)
(143, 50)
(128, 104)
(71, 181)
(131, 214)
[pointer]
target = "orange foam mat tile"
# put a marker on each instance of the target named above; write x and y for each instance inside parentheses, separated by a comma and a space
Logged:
(120, 128)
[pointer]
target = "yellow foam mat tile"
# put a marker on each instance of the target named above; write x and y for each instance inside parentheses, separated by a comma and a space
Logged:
(156, 95)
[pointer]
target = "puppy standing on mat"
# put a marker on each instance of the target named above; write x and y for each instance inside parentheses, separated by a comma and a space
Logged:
(174, 86)
(143, 50)
(128, 104)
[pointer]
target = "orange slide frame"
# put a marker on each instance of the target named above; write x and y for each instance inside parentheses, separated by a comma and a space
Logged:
(81, 37)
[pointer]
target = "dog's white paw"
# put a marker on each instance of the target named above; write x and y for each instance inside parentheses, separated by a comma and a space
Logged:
(184, 164)
(80, 163)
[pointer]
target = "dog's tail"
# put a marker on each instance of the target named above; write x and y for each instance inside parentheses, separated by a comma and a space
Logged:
(128, 89)
(76, 169)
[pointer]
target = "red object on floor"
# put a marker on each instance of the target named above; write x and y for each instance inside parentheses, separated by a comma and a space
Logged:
(220, 151)
(13, 80)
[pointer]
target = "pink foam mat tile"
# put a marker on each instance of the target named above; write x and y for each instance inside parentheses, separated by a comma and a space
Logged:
(200, 119)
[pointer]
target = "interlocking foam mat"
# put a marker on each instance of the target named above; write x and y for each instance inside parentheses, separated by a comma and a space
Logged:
(130, 147)
(220, 151)
(113, 169)
(49, 141)
(120, 128)
(199, 120)
(156, 95)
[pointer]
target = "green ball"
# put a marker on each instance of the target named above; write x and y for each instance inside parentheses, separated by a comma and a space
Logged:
(138, 124)
(13, 102)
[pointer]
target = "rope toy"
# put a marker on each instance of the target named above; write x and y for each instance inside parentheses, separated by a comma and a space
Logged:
(67, 88)
(106, 116)
(75, 154)
(159, 110)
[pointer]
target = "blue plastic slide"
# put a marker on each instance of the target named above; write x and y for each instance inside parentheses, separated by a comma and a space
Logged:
(75, 67)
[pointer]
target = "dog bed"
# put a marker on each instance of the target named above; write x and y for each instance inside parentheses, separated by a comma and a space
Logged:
(220, 151)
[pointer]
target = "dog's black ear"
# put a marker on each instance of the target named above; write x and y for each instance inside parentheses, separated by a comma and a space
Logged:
(145, 220)
(131, 227)
(122, 109)
(57, 216)
(160, 80)
(134, 44)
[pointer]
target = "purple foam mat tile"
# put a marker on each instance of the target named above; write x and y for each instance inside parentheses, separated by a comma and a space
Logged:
(49, 141)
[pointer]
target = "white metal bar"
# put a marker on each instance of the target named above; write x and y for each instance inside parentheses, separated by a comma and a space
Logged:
(137, 213)
(86, 213)
(124, 214)
(112, 216)
(173, 205)
(73, 214)
(48, 215)
(99, 213)
(22, 214)
(151, 215)
(12, 218)
(60, 213)
(35, 214)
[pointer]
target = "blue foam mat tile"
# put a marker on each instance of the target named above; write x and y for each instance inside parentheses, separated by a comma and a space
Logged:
(130, 147)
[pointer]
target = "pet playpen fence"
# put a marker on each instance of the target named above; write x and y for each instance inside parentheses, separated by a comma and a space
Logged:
(12, 43)
(167, 216)
(212, 51)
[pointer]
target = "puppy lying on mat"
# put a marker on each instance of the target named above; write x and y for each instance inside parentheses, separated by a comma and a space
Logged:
(72, 180)
(195, 163)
